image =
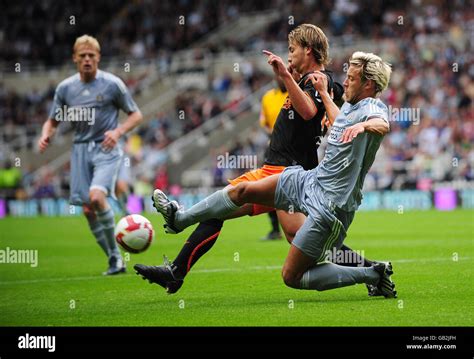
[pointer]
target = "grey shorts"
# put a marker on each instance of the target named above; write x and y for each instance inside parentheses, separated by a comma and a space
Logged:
(325, 226)
(93, 168)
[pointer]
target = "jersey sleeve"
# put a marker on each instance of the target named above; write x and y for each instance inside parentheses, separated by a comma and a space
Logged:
(374, 109)
(124, 99)
(58, 102)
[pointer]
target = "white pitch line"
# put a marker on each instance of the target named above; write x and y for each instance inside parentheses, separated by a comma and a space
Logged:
(215, 270)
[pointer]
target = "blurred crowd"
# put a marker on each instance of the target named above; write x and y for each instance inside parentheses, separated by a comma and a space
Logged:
(150, 29)
(141, 29)
(430, 76)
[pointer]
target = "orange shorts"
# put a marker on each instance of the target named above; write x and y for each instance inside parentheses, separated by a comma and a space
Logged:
(255, 175)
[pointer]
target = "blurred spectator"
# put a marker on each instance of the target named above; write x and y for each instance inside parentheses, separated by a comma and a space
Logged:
(10, 180)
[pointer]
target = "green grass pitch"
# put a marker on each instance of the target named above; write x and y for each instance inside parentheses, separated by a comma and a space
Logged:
(238, 283)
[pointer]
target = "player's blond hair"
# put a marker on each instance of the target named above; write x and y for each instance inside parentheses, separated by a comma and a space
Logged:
(86, 40)
(372, 68)
(308, 35)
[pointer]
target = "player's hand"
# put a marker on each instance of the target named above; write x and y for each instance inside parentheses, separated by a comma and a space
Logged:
(352, 132)
(43, 143)
(319, 81)
(277, 63)
(111, 139)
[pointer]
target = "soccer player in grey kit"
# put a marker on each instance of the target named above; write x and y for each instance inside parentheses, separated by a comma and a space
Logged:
(328, 195)
(91, 100)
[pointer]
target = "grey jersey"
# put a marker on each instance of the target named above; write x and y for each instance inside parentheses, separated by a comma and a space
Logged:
(92, 107)
(341, 173)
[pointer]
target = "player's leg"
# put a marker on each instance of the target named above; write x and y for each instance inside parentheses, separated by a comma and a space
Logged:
(300, 271)
(322, 230)
(105, 216)
(290, 222)
(81, 178)
(220, 204)
(259, 192)
(171, 275)
(201, 241)
(351, 258)
(96, 228)
(105, 171)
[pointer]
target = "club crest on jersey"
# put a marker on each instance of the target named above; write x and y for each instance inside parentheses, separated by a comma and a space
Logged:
(99, 98)
(287, 104)
(349, 118)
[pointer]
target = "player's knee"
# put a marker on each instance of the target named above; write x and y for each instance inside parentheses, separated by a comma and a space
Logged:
(238, 193)
(97, 199)
(290, 278)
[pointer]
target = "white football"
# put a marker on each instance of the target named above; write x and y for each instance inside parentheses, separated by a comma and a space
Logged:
(134, 233)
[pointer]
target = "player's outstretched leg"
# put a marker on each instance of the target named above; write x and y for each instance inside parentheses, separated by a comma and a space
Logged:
(167, 208)
(163, 275)
(198, 243)
(220, 204)
(171, 275)
(217, 205)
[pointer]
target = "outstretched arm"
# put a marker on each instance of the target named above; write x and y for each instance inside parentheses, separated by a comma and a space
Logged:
(375, 125)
